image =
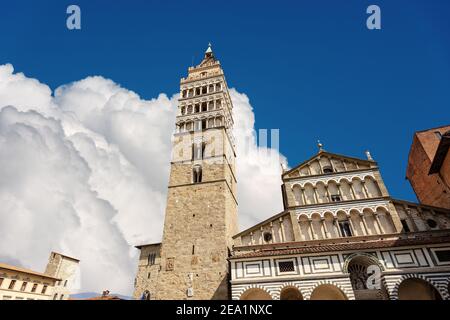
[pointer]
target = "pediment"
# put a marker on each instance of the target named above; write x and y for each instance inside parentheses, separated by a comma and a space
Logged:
(276, 229)
(323, 161)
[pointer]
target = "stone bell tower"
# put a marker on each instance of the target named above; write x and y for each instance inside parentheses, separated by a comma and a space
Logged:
(201, 212)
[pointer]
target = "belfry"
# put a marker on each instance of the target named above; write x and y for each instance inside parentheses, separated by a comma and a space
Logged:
(201, 213)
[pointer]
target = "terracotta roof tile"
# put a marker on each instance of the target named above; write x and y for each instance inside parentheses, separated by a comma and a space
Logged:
(24, 270)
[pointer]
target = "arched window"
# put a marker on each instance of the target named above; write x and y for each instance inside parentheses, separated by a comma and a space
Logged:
(344, 225)
(334, 191)
(197, 174)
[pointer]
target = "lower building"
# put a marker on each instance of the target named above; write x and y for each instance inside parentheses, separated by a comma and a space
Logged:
(18, 283)
(342, 237)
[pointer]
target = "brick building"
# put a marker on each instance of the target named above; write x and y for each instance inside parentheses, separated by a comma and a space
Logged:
(429, 166)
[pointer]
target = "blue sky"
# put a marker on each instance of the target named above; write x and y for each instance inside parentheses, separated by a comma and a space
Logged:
(310, 68)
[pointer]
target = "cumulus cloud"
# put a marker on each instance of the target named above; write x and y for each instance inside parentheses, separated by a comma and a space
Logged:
(84, 171)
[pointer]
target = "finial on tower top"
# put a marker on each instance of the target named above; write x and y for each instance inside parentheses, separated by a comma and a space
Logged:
(320, 146)
(369, 156)
(209, 50)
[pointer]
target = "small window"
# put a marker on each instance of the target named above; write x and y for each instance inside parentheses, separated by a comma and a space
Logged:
(197, 174)
(335, 197)
(267, 236)
(55, 296)
(65, 283)
(62, 297)
(44, 289)
(1, 281)
(431, 223)
(12, 284)
(443, 255)
(24, 286)
(286, 266)
(405, 226)
(151, 259)
(33, 289)
(327, 169)
(193, 249)
(345, 228)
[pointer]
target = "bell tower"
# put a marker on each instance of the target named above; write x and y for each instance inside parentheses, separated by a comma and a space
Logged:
(201, 212)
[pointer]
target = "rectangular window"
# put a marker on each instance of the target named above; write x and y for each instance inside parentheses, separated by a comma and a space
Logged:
(286, 266)
(443, 255)
(33, 289)
(55, 296)
(12, 284)
(405, 225)
(24, 286)
(1, 281)
(345, 228)
(62, 297)
(65, 283)
(335, 197)
(151, 259)
(44, 289)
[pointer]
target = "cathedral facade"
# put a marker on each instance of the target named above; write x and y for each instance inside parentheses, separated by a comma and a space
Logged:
(340, 236)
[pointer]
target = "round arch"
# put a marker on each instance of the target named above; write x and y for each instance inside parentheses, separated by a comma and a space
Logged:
(328, 292)
(255, 294)
(417, 289)
(290, 293)
(366, 256)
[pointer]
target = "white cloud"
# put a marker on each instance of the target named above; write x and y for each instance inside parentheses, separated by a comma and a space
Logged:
(85, 172)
